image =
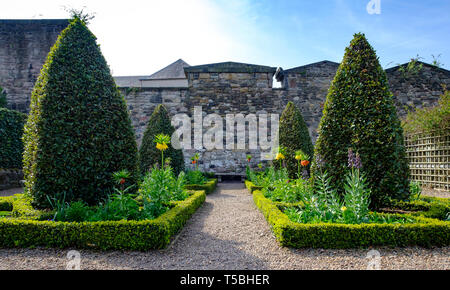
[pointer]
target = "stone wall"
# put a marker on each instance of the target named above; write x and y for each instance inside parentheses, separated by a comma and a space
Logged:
(24, 45)
(250, 91)
(10, 178)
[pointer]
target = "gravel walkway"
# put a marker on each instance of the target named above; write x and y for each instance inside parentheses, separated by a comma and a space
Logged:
(226, 233)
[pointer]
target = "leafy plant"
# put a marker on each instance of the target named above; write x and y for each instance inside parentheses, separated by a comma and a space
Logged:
(159, 187)
(416, 190)
(195, 177)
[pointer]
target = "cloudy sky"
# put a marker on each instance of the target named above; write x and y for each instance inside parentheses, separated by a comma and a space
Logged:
(140, 37)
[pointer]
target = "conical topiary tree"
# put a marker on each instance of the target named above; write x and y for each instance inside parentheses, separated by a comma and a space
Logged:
(293, 136)
(78, 131)
(359, 113)
(159, 123)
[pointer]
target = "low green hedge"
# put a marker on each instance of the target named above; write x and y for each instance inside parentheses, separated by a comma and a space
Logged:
(6, 203)
(426, 232)
(105, 235)
(431, 207)
(208, 187)
(251, 186)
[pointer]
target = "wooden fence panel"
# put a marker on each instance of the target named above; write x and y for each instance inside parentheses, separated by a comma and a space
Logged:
(429, 158)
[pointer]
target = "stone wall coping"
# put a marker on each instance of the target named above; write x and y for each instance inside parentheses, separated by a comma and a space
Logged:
(395, 68)
(229, 67)
(35, 21)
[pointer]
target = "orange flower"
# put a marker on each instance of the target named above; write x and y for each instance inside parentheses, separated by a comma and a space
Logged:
(194, 161)
(304, 162)
(122, 181)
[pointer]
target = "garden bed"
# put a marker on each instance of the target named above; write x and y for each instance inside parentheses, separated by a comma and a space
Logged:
(424, 231)
(251, 186)
(105, 235)
(208, 187)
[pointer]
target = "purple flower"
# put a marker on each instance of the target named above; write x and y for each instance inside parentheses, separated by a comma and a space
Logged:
(354, 161)
(319, 161)
(305, 174)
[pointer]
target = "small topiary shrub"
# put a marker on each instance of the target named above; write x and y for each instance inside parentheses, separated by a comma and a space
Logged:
(149, 155)
(359, 113)
(78, 131)
(11, 131)
(294, 135)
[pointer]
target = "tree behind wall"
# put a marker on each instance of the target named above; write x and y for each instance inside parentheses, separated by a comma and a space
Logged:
(159, 123)
(359, 113)
(78, 131)
(294, 135)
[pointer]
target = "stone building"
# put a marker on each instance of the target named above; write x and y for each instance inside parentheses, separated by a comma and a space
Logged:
(221, 88)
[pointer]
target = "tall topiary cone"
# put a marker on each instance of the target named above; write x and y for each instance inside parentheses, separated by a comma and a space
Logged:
(359, 113)
(159, 123)
(294, 135)
(78, 131)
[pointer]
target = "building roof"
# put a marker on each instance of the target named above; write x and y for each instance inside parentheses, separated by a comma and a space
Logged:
(128, 81)
(172, 71)
(230, 67)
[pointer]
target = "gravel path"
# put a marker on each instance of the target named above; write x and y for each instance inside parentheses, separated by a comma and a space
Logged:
(12, 191)
(226, 233)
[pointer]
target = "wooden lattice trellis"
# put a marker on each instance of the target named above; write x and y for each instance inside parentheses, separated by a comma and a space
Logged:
(429, 158)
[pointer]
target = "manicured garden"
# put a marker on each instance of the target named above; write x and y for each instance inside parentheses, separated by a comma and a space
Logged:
(354, 189)
(86, 183)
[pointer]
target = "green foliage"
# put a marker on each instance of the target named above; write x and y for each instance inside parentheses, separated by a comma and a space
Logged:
(422, 232)
(78, 131)
(431, 207)
(105, 235)
(2, 98)
(359, 113)
(159, 187)
(11, 146)
(415, 189)
(432, 119)
(195, 177)
(149, 155)
(293, 136)
(413, 68)
(208, 186)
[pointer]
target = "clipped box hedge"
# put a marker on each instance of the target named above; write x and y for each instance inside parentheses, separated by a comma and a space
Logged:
(426, 232)
(208, 187)
(251, 186)
(105, 235)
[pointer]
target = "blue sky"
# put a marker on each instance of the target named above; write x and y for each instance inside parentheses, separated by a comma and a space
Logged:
(140, 37)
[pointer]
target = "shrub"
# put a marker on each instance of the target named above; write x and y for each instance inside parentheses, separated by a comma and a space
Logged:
(11, 131)
(428, 120)
(149, 155)
(208, 186)
(2, 98)
(294, 135)
(78, 131)
(359, 113)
